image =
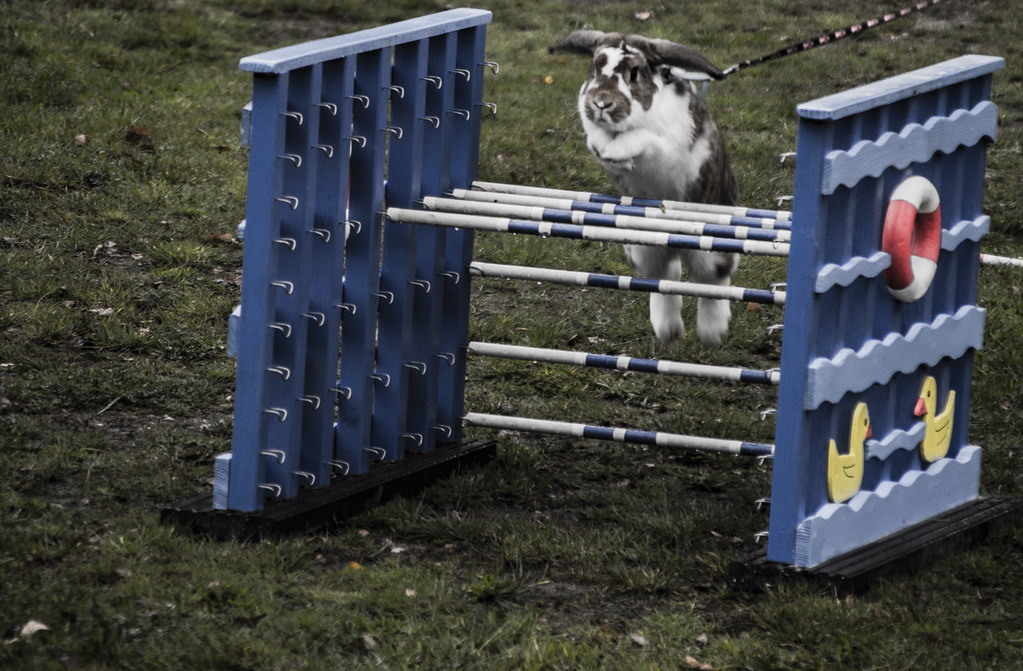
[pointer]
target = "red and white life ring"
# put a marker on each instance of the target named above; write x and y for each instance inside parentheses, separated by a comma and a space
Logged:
(912, 236)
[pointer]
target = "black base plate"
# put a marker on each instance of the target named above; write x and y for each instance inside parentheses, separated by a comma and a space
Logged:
(326, 506)
(908, 550)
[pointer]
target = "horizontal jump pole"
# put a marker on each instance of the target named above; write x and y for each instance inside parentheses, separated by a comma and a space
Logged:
(704, 371)
(594, 233)
(994, 260)
(618, 435)
(780, 215)
(576, 278)
(567, 216)
(722, 219)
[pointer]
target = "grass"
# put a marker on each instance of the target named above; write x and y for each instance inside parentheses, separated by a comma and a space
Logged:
(121, 184)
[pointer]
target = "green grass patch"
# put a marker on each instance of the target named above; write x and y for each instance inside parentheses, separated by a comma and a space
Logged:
(121, 184)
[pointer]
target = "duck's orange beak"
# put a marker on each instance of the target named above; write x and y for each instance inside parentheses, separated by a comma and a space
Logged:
(921, 407)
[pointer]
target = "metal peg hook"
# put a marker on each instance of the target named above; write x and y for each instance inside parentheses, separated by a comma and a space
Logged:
(447, 356)
(463, 72)
(294, 158)
(398, 132)
(386, 295)
(417, 366)
(326, 149)
(432, 120)
(417, 437)
(340, 465)
(400, 90)
(345, 392)
(330, 107)
(322, 232)
(274, 489)
(494, 67)
(352, 223)
(282, 327)
(462, 113)
(290, 243)
(377, 451)
(297, 116)
(383, 378)
(436, 81)
(782, 199)
(308, 476)
(760, 503)
(281, 413)
(288, 287)
(278, 455)
(290, 201)
(775, 327)
(346, 307)
(317, 317)
(422, 284)
(786, 154)
(443, 428)
(767, 412)
(283, 371)
(359, 140)
(490, 106)
(453, 276)
(311, 400)
(362, 99)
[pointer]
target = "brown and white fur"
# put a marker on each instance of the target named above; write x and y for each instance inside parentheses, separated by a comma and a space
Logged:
(647, 125)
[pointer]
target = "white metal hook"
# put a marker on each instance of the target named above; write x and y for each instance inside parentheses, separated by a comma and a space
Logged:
(294, 158)
(282, 327)
(386, 295)
(359, 140)
(423, 284)
(345, 392)
(283, 371)
(462, 113)
(322, 232)
(311, 400)
(398, 132)
(362, 99)
(494, 67)
(383, 378)
(278, 455)
(347, 307)
(436, 81)
(453, 276)
(317, 317)
(381, 452)
(352, 223)
(432, 120)
(290, 243)
(447, 356)
(463, 72)
(400, 90)
(417, 366)
(326, 149)
(288, 287)
(443, 428)
(330, 107)
(417, 437)
(340, 465)
(281, 413)
(274, 489)
(308, 476)
(490, 106)
(290, 201)
(297, 116)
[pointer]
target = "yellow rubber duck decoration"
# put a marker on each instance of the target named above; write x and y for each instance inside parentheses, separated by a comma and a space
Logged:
(938, 434)
(845, 471)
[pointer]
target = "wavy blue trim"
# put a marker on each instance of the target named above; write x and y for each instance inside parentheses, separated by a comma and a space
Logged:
(897, 439)
(965, 230)
(877, 361)
(916, 143)
(856, 267)
(838, 528)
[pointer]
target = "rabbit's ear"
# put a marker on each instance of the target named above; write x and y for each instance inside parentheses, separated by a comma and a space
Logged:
(584, 42)
(675, 55)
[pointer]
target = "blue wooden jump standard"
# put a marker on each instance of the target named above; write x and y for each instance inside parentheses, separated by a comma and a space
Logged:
(353, 328)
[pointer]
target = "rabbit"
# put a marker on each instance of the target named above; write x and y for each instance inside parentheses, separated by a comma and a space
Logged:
(648, 127)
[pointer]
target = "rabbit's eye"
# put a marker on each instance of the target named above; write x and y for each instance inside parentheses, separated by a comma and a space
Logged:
(634, 74)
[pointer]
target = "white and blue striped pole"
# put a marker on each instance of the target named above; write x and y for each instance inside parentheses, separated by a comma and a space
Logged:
(612, 220)
(603, 281)
(611, 362)
(578, 232)
(619, 435)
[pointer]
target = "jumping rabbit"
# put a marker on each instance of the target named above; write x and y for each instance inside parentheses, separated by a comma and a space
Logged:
(647, 125)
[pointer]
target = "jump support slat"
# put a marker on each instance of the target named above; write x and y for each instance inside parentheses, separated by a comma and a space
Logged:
(576, 278)
(723, 219)
(724, 373)
(622, 221)
(626, 200)
(619, 435)
(576, 232)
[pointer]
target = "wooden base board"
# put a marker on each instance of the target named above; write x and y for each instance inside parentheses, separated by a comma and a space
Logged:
(326, 506)
(909, 550)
